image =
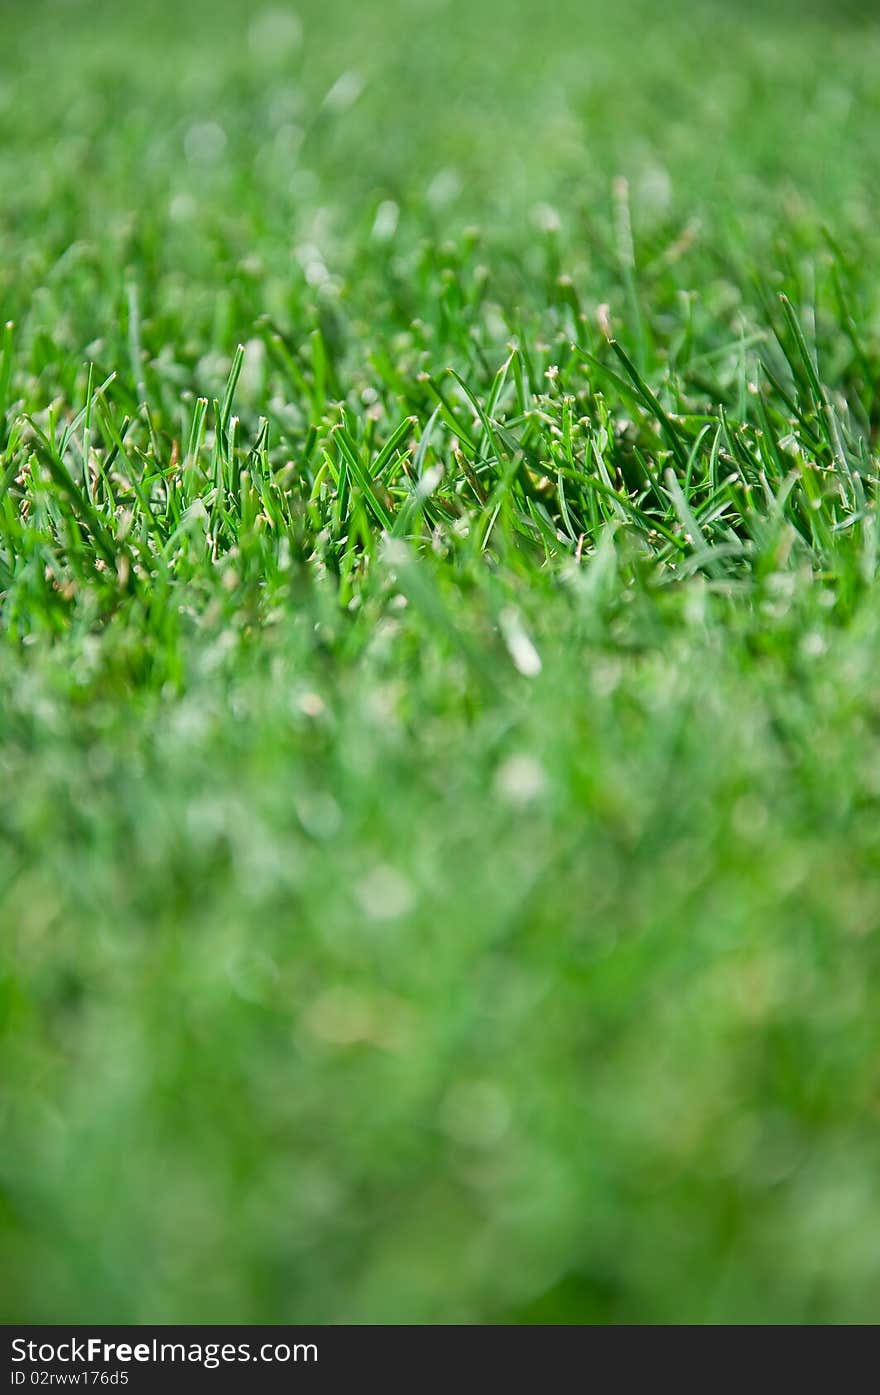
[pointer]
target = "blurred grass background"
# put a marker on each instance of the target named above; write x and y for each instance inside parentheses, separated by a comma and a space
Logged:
(340, 981)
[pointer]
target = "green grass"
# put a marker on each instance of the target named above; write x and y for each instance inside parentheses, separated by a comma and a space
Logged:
(441, 740)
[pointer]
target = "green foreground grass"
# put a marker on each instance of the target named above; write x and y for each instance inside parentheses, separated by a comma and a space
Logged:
(441, 740)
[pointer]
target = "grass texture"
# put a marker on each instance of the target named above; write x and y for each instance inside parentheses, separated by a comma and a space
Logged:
(439, 631)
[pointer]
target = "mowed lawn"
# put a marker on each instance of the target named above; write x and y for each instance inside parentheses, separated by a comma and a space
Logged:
(439, 652)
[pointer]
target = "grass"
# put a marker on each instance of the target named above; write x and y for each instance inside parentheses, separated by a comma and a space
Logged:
(441, 741)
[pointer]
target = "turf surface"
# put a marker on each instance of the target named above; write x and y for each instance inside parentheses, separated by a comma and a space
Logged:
(441, 740)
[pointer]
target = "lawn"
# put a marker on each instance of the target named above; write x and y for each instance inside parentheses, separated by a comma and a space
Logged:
(439, 637)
